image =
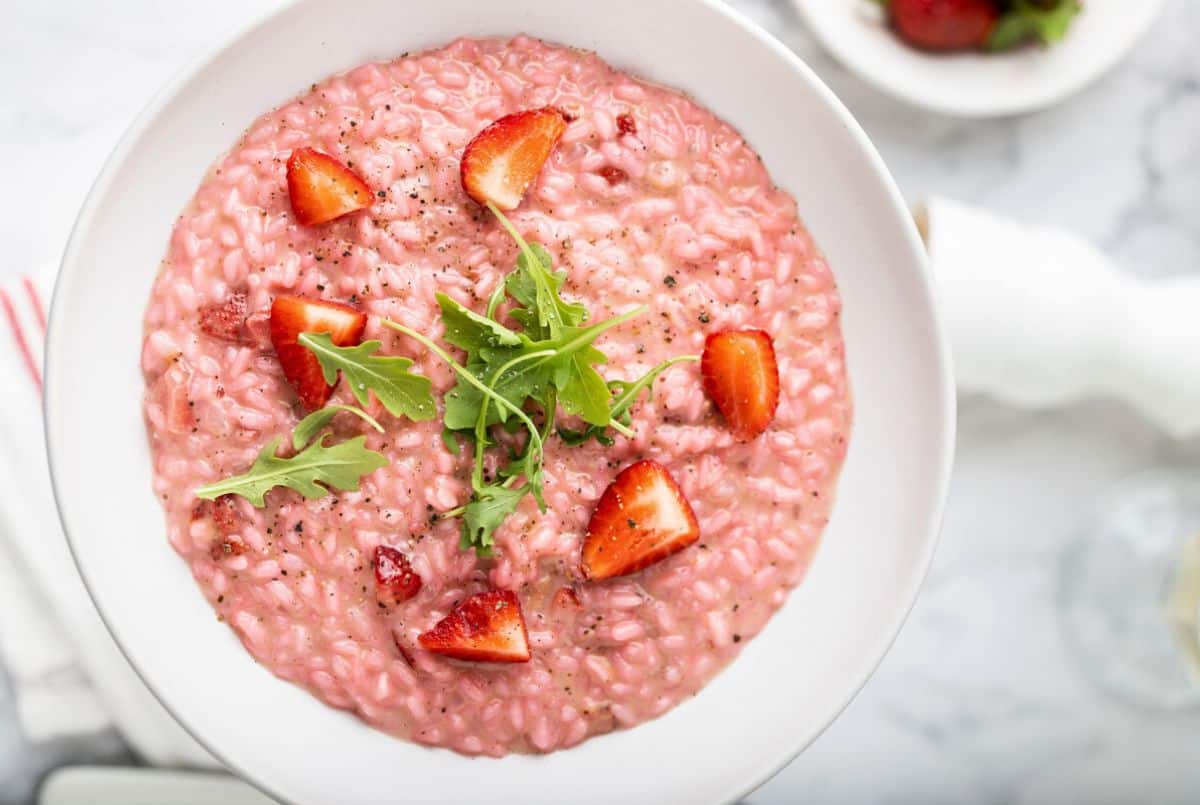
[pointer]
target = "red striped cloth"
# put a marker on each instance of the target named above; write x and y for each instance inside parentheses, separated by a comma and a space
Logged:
(68, 678)
(53, 696)
(25, 319)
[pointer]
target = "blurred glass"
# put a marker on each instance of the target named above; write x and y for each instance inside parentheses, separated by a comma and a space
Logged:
(1130, 592)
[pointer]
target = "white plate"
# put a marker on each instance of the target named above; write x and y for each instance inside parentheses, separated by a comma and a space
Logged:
(118, 785)
(790, 682)
(979, 84)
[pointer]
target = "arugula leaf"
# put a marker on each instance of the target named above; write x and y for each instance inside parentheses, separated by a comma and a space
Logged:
(315, 422)
(625, 394)
(581, 390)
(529, 465)
(1027, 20)
(574, 438)
(471, 331)
(535, 285)
(462, 372)
(450, 440)
(528, 462)
(542, 311)
(490, 507)
(629, 391)
(402, 393)
(566, 362)
(462, 403)
(311, 472)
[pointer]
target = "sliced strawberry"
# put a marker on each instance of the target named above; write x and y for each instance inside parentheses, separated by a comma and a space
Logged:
(321, 188)
(293, 315)
(395, 579)
(258, 329)
(742, 378)
(226, 515)
(487, 627)
(402, 650)
(944, 24)
(503, 159)
(612, 174)
(223, 511)
(566, 598)
(229, 545)
(641, 519)
(225, 320)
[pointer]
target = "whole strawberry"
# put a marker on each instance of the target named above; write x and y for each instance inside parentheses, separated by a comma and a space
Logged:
(944, 25)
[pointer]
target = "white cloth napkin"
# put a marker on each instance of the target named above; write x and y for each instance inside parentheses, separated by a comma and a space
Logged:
(68, 676)
(1039, 317)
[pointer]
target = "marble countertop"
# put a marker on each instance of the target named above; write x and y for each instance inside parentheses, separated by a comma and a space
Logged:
(978, 702)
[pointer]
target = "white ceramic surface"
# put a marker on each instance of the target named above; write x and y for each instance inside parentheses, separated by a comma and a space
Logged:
(790, 682)
(979, 84)
(104, 785)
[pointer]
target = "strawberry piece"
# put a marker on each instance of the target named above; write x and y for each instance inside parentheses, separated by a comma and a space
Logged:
(226, 546)
(258, 329)
(293, 315)
(641, 519)
(566, 598)
(229, 521)
(942, 25)
(225, 514)
(223, 511)
(322, 189)
(403, 651)
(742, 378)
(503, 159)
(395, 579)
(626, 124)
(612, 174)
(487, 627)
(225, 320)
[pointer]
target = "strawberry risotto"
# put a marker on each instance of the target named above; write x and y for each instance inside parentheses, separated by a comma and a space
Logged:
(494, 395)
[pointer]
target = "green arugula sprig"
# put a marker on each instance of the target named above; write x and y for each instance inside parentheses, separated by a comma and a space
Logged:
(313, 470)
(1043, 21)
(401, 392)
(625, 394)
(318, 466)
(318, 420)
(549, 363)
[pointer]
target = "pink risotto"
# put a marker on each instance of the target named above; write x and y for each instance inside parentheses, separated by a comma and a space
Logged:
(648, 199)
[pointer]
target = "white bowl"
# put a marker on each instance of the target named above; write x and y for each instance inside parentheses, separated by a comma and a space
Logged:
(789, 684)
(979, 84)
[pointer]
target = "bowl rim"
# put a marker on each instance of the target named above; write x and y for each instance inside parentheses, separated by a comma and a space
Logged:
(941, 468)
